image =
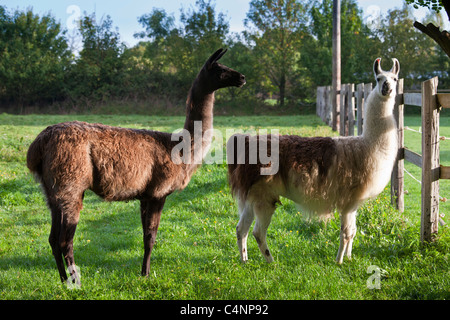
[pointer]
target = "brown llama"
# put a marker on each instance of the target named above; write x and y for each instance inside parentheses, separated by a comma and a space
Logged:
(320, 174)
(121, 164)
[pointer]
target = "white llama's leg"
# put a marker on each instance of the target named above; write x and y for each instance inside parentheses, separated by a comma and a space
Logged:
(348, 231)
(247, 216)
(348, 251)
(263, 214)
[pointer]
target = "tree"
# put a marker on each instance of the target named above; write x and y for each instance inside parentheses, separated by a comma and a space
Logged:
(278, 25)
(435, 5)
(356, 44)
(241, 58)
(98, 70)
(205, 24)
(181, 49)
(158, 25)
(442, 38)
(33, 58)
(204, 31)
(400, 40)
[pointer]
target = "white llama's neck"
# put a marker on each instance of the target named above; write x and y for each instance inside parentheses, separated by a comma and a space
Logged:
(379, 122)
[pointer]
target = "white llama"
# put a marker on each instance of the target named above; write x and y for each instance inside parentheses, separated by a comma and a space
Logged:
(320, 174)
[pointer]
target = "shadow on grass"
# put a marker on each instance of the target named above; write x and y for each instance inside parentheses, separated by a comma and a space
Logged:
(43, 261)
(25, 185)
(421, 290)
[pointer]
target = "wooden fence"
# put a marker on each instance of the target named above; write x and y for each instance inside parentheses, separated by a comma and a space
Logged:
(351, 101)
(431, 102)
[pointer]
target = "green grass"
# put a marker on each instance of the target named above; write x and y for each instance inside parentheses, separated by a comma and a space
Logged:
(196, 255)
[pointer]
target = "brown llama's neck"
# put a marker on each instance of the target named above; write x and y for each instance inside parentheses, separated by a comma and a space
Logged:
(199, 120)
(199, 108)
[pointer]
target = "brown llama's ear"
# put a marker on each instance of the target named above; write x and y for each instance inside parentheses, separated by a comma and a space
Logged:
(215, 57)
(221, 54)
(396, 67)
(377, 67)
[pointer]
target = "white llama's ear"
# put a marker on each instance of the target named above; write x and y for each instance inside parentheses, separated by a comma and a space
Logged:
(396, 67)
(377, 67)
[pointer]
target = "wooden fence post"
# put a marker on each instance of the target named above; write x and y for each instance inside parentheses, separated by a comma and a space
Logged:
(336, 63)
(329, 105)
(397, 179)
(343, 110)
(320, 102)
(319, 98)
(430, 160)
(351, 109)
(360, 98)
(367, 91)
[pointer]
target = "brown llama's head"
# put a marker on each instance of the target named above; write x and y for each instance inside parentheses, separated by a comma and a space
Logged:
(215, 75)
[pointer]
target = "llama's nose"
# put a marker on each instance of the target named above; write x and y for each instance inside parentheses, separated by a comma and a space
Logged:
(386, 89)
(242, 80)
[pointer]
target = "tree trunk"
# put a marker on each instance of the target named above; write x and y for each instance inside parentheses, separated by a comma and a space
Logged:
(282, 88)
(336, 63)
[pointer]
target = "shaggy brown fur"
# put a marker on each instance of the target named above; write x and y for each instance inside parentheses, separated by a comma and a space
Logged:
(119, 164)
(296, 153)
(310, 171)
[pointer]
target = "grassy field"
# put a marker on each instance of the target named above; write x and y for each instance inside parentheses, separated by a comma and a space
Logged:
(196, 255)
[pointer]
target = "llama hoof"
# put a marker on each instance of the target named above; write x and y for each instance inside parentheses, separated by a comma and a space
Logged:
(244, 257)
(73, 284)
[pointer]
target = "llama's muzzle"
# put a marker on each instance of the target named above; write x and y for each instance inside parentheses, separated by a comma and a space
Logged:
(242, 81)
(386, 89)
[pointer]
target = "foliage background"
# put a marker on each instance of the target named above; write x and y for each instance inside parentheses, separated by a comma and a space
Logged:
(285, 52)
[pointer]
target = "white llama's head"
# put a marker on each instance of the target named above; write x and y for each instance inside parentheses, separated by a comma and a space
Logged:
(386, 80)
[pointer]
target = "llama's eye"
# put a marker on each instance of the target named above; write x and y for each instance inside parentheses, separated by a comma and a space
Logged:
(224, 75)
(395, 79)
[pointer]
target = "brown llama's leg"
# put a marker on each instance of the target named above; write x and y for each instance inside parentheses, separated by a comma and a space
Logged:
(54, 241)
(150, 216)
(66, 242)
(70, 217)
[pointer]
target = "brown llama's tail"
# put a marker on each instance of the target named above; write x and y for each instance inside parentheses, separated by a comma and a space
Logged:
(35, 154)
